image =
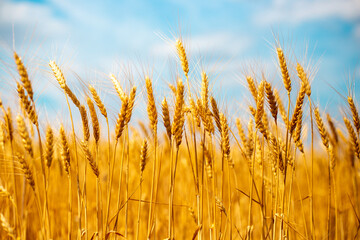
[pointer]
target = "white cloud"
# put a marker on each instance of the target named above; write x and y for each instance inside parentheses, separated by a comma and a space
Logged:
(29, 15)
(306, 10)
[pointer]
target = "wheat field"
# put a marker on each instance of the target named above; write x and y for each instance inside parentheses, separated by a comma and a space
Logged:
(188, 170)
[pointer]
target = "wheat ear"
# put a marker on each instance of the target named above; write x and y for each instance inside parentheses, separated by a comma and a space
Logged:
(24, 135)
(182, 55)
(284, 70)
(49, 146)
(166, 117)
(89, 157)
(94, 119)
(24, 76)
(355, 114)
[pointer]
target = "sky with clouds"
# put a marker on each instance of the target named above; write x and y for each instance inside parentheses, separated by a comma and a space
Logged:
(228, 39)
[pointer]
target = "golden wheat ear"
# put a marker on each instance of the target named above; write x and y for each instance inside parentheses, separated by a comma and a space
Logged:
(151, 107)
(321, 127)
(178, 122)
(183, 58)
(27, 171)
(284, 69)
(98, 101)
(166, 117)
(94, 119)
(49, 146)
(89, 158)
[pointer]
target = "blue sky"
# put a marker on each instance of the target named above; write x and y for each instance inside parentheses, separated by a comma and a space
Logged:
(226, 38)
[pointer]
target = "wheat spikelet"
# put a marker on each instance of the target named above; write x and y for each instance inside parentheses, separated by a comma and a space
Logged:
(65, 151)
(225, 140)
(27, 171)
(252, 87)
(8, 124)
(94, 119)
(220, 205)
(281, 108)
(166, 117)
(298, 107)
(204, 91)
(215, 113)
(143, 155)
(24, 76)
(354, 140)
(6, 226)
(98, 101)
(303, 77)
(25, 138)
(193, 215)
(297, 133)
(151, 107)
(120, 123)
(58, 74)
(49, 146)
(117, 87)
(355, 114)
(252, 111)
(89, 157)
(178, 122)
(241, 132)
(259, 124)
(131, 105)
(182, 55)
(260, 104)
(284, 70)
(195, 111)
(85, 122)
(322, 130)
(332, 128)
(26, 103)
(206, 118)
(271, 100)
(172, 88)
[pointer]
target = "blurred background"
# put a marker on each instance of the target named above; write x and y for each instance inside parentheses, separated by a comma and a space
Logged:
(228, 39)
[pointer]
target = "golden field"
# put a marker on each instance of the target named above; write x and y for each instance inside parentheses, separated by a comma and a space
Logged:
(189, 170)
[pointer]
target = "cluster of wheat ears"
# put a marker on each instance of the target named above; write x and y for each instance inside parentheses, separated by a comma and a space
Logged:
(204, 178)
